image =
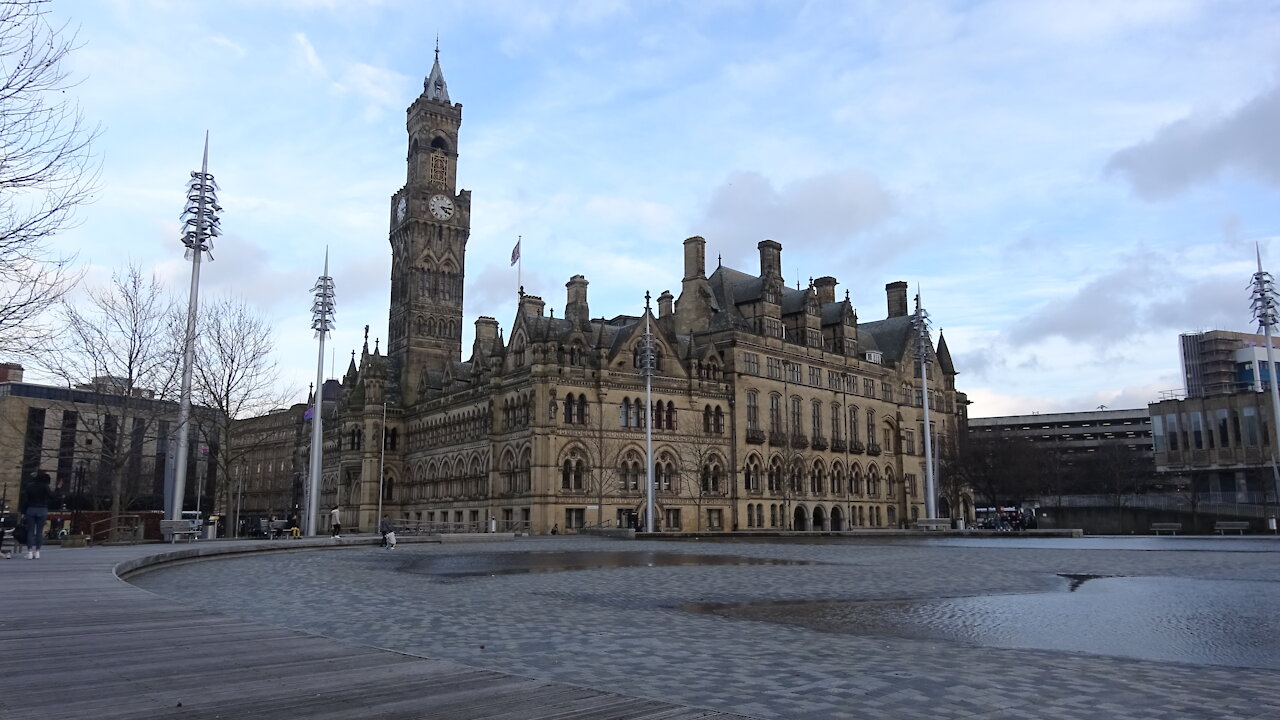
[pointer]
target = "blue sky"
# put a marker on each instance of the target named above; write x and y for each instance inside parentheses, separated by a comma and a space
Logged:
(1069, 184)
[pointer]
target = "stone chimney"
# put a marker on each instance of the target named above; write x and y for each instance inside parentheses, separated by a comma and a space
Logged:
(575, 308)
(10, 372)
(664, 303)
(770, 258)
(896, 294)
(532, 305)
(826, 288)
(695, 257)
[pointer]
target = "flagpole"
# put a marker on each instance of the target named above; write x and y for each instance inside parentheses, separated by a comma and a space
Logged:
(519, 264)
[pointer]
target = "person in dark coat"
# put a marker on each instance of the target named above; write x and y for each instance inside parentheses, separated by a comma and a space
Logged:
(37, 499)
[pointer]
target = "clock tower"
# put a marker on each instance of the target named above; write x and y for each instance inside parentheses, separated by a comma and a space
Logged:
(430, 223)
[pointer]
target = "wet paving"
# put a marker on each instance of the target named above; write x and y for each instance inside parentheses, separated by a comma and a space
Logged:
(488, 564)
(1203, 622)
(1122, 628)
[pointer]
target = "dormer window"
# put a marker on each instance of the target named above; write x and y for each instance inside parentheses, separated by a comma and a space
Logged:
(873, 356)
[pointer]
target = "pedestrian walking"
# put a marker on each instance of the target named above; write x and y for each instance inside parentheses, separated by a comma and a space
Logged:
(36, 502)
(388, 532)
(335, 520)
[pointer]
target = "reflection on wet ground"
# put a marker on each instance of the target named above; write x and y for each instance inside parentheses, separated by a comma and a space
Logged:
(483, 564)
(1207, 543)
(1200, 622)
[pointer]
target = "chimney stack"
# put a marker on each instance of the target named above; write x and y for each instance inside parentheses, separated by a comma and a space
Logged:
(695, 257)
(576, 309)
(770, 258)
(532, 305)
(896, 295)
(664, 303)
(826, 288)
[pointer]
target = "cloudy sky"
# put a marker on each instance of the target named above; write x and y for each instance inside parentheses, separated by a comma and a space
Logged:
(1069, 184)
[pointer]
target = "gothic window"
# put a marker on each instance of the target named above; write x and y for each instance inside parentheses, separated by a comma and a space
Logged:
(775, 413)
(796, 427)
(439, 168)
(582, 410)
(775, 475)
(836, 416)
(816, 418)
(706, 419)
(817, 479)
(624, 413)
(671, 415)
(717, 421)
(871, 426)
(753, 410)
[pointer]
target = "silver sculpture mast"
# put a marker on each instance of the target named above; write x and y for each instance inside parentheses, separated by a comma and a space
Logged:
(921, 323)
(200, 226)
(646, 367)
(322, 323)
(1266, 311)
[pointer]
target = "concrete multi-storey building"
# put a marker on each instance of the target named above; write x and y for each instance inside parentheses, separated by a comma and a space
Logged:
(770, 406)
(1223, 361)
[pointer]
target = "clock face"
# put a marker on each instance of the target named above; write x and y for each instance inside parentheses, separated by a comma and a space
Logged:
(441, 207)
(401, 209)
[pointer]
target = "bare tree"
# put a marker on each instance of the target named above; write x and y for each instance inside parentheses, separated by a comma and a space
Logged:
(998, 470)
(46, 170)
(121, 343)
(235, 377)
(704, 472)
(604, 456)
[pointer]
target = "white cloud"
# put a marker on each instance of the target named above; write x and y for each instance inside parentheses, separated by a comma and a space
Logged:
(306, 57)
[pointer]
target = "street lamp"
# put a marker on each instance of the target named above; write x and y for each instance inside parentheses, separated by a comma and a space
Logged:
(200, 223)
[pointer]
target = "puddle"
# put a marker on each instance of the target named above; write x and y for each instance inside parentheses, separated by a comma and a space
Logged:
(477, 565)
(1201, 622)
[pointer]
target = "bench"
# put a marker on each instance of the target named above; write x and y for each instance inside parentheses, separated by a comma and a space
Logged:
(1172, 528)
(933, 524)
(1224, 525)
(175, 528)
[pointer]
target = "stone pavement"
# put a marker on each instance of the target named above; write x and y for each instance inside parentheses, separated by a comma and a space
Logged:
(624, 629)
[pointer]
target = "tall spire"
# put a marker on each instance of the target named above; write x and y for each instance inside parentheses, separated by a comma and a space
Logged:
(435, 87)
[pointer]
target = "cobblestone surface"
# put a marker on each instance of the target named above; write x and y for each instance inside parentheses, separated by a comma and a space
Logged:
(624, 630)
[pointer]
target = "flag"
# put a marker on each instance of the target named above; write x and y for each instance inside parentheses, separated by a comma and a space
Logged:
(515, 253)
(309, 413)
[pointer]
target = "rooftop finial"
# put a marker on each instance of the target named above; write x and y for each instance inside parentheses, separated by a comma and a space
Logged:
(437, 47)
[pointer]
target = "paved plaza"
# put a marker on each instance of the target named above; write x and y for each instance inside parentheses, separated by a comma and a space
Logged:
(630, 629)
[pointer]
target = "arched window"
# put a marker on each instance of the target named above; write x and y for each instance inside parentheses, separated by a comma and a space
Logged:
(706, 419)
(671, 415)
(775, 414)
(717, 421)
(796, 427)
(773, 516)
(624, 414)
(753, 410)
(775, 475)
(582, 409)
(836, 435)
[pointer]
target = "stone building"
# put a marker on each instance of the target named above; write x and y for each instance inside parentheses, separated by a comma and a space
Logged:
(771, 407)
(98, 441)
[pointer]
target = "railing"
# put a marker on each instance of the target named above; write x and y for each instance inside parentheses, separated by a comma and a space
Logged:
(1250, 503)
(122, 528)
(799, 442)
(873, 449)
(856, 447)
(755, 437)
(777, 439)
(838, 446)
(819, 443)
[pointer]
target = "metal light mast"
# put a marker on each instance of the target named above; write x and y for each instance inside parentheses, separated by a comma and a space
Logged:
(200, 226)
(646, 368)
(920, 323)
(322, 323)
(1267, 312)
